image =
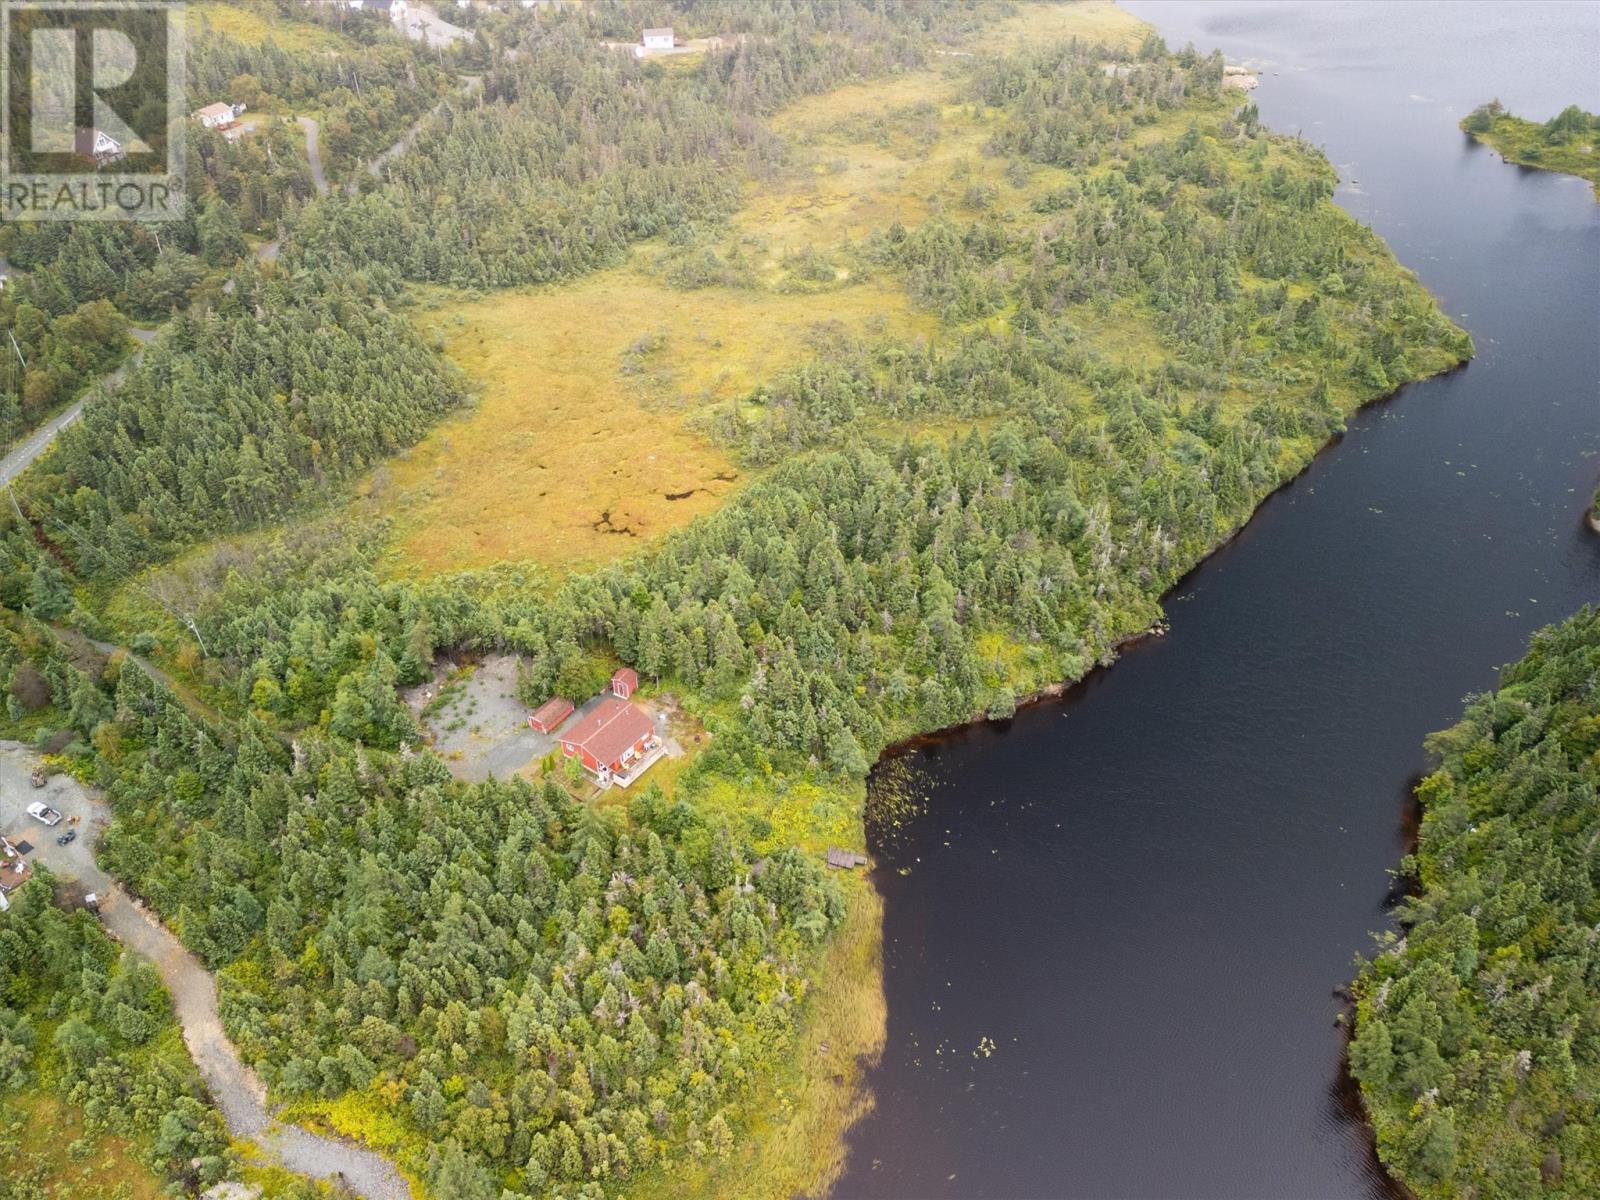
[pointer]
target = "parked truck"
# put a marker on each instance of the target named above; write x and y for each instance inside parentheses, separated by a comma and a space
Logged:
(43, 812)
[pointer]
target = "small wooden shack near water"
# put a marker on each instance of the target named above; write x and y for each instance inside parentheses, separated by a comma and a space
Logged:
(844, 860)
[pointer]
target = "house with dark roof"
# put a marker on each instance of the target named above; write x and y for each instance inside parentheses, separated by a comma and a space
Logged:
(98, 146)
(616, 742)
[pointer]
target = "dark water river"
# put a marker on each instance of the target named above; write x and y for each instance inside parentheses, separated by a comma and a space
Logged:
(1140, 900)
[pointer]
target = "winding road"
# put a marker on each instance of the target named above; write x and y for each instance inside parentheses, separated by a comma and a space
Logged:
(239, 1095)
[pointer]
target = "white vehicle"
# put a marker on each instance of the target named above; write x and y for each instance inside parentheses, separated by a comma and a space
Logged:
(43, 812)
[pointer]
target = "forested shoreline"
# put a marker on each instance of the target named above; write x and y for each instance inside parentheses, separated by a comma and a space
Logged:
(501, 986)
(1477, 1045)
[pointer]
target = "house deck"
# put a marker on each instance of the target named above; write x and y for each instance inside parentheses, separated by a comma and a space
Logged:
(625, 778)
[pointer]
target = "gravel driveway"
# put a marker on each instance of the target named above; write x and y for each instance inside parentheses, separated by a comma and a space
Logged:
(37, 442)
(233, 1085)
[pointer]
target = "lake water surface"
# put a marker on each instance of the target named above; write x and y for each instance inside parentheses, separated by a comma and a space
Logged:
(1114, 932)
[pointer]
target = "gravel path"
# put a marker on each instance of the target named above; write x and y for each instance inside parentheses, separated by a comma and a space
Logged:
(36, 443)
(314, 153)
(233, 1085)
(482, 732)
(469, 84)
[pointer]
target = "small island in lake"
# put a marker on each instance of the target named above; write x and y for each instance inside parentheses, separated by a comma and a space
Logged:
(1566, 142)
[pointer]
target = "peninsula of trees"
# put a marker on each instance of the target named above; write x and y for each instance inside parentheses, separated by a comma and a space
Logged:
(1567, 142)
(1477, 1042)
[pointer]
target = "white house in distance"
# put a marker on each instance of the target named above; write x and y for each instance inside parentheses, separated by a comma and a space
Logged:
(655, 41)
(216, 116)
(97, 146)
(390, 8)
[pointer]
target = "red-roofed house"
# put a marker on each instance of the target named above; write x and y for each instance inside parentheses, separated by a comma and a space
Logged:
(551, 713)
(624, 683)
(615, 740)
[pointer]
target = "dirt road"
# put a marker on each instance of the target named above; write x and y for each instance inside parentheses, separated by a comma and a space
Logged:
(422, 24)
(469, 84)
(314, 153)
(36, 443)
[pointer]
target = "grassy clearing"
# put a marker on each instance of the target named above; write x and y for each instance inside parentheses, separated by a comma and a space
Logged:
(43, 1142)
(580, 448)
(902, 149)
(871, 154)
(1037, 21)
(245, 24)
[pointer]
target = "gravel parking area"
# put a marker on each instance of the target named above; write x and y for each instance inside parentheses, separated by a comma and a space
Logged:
(233, 1085)
(481, 730)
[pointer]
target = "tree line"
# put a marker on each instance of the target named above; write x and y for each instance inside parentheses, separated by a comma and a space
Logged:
(236, 417)
(1477, 1040)
(73, 287)
(574, 149)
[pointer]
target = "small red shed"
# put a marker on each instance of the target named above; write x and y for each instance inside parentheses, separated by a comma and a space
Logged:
(551, 713)
(624, 683)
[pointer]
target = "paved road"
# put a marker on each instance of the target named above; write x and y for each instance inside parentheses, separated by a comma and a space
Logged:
(314, 153)
(36, 443)
(233, 1085)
